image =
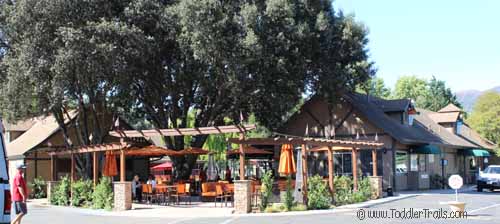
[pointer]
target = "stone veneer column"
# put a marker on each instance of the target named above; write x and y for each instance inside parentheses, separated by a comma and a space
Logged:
(376, 184)
(242, 196)
(50, 187)
(122, 195)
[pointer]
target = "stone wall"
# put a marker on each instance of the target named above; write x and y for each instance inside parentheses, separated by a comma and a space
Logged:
(376, 184)
(122, 195)
(242, 196)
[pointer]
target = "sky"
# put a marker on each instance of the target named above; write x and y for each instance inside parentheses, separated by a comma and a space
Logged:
(457, 41)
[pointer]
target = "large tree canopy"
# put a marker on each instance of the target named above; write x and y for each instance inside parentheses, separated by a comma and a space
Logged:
(162, 59)
(485, 116)
(430, 94)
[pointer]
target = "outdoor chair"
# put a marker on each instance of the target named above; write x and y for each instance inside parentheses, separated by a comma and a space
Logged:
(182, 192)
(221, 195)
(160, 194)
(147, 193)
(208, 190)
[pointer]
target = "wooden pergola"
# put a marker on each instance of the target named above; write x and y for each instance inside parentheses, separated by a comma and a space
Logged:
(140, 149)
(320, 145)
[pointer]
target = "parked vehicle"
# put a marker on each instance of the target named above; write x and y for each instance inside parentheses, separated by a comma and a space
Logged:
(489, 178)
(5, 200)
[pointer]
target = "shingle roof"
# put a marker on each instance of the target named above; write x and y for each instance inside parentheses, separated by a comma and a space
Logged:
(450, 108)
(424, 118)
(391, 105)
(472, 136)
(37, 134)
(406, 134)
(22, 125)
(446, 117)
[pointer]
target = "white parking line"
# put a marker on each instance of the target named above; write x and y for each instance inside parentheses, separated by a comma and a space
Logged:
(229, 220)
(484, 208)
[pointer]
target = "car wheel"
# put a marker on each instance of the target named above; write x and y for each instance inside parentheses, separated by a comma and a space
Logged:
(479, 188)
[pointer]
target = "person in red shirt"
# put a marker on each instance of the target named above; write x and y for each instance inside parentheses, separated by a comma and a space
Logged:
(19, 195)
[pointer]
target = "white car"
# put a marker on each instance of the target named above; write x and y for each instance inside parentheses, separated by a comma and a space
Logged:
(5, 200)
(489, 178)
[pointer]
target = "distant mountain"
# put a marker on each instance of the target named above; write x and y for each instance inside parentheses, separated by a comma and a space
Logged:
(468, 97)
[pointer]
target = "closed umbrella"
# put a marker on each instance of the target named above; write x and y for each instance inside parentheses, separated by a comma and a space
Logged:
(287, 163)
(110, 168)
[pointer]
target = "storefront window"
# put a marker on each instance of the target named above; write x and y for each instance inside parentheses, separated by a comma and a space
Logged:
(414, 162)
(401, 162)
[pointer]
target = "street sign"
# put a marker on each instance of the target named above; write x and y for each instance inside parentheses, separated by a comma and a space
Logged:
(455, 181)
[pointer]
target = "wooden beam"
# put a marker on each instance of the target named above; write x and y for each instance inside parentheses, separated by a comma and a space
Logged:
(73, 173)
(52, 168)
(374, 162)
(355, 169)
(304, 173)
(185, 131)
(95, 168)
(122, 165)
(331, 172)
(242, 159)
(308, 141)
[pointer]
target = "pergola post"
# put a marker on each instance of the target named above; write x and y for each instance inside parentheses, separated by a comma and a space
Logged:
(122, 165)
(374, 162)
(304, 173)
(355, 169)
(242, 159)
(52, 168)
(330, 170)
(95, 168)
(73, 173)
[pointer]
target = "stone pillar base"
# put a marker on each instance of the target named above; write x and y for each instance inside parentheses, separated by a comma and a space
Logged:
(376, 184)
(242, 196)
(122, 195)
(50, 187)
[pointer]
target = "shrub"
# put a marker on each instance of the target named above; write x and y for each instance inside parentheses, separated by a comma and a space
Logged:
(343, 190)
(38, 188)
(61, 192)
(81, 193)
(102, 197)
(365, 188)
(318, 195)
(266, 190)
(289, 194)
(299, 208)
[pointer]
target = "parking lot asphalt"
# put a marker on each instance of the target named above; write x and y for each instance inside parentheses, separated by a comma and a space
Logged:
(480, 207)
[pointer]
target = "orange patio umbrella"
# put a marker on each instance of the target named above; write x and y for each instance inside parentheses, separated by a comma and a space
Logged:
(110, 168)
(287, 163)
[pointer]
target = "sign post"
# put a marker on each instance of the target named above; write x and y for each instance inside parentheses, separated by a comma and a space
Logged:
(455, 182)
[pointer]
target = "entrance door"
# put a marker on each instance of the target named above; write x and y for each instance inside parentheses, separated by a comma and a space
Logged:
(402, 168)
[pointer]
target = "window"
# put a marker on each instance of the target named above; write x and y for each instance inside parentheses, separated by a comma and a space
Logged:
(401, 162)
(414, 162)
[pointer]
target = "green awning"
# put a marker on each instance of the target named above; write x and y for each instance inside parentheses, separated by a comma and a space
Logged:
(427, 149)
(477, 152)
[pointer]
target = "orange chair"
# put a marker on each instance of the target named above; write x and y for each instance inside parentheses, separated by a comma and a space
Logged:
(221, 194)
(147, 192)
(208, 190)
(182, 191)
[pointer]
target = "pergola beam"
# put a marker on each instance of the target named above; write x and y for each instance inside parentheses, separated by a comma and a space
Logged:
(184, 131)
(338, 144)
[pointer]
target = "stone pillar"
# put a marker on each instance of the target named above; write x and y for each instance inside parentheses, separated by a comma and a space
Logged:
(122, 195)
(242, 196)
(376, 184)
(50, 187)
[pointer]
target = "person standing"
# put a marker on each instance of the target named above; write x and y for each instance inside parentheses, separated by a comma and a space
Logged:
(19, 195)
(137, 188)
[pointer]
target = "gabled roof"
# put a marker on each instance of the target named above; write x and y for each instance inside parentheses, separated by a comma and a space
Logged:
(37, 134)
(22, 125)
(445, 117)
(450, 108)
(405, 134)
(472, 136)
(424, 118)
(397, 105)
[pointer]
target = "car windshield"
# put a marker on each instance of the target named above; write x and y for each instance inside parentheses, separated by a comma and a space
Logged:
(495, 170)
